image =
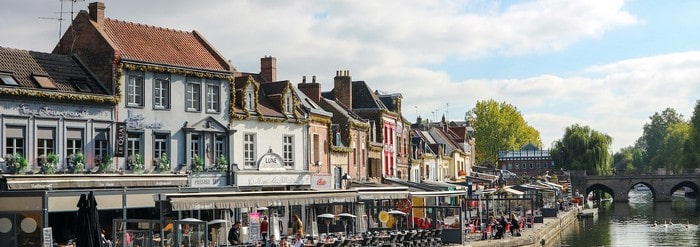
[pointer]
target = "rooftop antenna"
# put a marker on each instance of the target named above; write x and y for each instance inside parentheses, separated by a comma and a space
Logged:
(60, 16)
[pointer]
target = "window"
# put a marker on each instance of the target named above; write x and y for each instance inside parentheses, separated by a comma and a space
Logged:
(161, 92)
(288, 151)
(213, 99)
(74, 141)
(134, 90)
(532, 166)
(288, 104)
(8, 80)
(193, 94)
(249, 150)
(44, 81)
(544, 165)
(133, 144)
(315, 150)
(249, 99)
(45, 141)
(14, 140)
(101, 143)
(220, 146)
(195, 145)
(160, 145)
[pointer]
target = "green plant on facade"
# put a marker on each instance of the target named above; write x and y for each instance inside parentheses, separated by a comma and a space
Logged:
(198, 163)
(222, 163)
(16, 163)
(76, 162)
(50, 163)
(163, 163)
(104, 163)
(135, 163)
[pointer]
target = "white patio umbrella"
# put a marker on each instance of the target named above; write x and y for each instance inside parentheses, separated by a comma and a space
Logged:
(327, 218)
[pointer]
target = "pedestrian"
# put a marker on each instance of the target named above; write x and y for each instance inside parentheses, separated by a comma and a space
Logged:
(514, 225)
(234, 234)
(297, 226)
(264, 228)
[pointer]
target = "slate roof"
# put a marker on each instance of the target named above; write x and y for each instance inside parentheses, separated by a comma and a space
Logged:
(164, 46)
(66, 72)
(364, 98)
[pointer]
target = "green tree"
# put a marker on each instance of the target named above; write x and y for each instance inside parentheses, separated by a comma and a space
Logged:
(628, 159)
(670, 153)
(582, 148)
(654, 134)
(692, 151)
(499, 127)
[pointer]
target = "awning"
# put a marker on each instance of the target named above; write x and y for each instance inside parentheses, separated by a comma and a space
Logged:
(93, 181)
(438, 193)
(380, 193)
(195, 201)
(513, 191)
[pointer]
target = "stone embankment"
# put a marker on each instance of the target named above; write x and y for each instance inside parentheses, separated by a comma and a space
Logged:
(541, 234)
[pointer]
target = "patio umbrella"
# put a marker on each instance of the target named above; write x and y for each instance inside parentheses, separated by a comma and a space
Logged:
(327, 218)
(397, 213)
(349, 217)
(88, 227)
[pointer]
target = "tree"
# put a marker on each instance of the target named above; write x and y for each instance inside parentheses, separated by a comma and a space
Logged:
(654, 133)
(670, 153)
(628, 159)
(582, 148)
(692, 151)
(499, 127)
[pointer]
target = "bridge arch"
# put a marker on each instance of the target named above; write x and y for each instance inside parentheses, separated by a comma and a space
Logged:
(688, 184)
(648, 185)
(600, 187)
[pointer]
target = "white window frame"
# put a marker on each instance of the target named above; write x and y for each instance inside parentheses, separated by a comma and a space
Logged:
(133, 143)
(161, 92)
(213, 98)
(45, 146)
(16, 145)
(134, 90)
(250, 99)
(160, 144)
(249, 150)
(288, 151)
(193, 95)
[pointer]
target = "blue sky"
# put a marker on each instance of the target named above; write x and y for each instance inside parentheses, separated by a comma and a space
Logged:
(608, 64)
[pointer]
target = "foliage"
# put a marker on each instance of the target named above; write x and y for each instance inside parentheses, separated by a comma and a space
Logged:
(135, 162)
(670, 153)
(16, 163)
(163, 163)
(50, 163)
(582, 148)
(198, 163)
(499, 127)
(222, 163)
(692, 147)
(104, 163)
(76, 162)
(629, 159)
(654, 134)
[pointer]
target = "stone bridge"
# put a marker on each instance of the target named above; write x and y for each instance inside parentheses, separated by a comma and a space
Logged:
(662, 186)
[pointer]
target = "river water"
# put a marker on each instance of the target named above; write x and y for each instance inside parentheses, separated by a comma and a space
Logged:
(632, 223)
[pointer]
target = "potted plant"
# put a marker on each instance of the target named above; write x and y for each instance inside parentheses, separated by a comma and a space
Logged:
(163, 163)
(104, 163)
(76, 162)
(16, 163)
(50, 163)
(135, 163)
(198, 163)
(222, 163)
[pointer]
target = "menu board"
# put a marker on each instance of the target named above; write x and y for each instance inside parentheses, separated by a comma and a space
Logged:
(254, 226)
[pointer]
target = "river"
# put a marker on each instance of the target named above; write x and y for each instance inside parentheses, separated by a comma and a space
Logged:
(632, 224)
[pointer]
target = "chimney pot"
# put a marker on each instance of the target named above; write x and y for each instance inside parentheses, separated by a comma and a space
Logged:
(313, 79)
(303, 79)
(97, 12)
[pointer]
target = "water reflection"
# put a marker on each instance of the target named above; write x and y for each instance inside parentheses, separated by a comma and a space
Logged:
(632, 224)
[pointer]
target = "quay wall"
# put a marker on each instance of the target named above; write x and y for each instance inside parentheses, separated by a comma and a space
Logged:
(542, 234)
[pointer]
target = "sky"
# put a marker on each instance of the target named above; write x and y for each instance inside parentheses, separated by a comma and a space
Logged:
(607, 64)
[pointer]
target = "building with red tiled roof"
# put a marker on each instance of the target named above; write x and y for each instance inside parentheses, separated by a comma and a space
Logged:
(173, 90)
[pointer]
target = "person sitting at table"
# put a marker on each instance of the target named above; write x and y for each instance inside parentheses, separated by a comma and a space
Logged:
(234, 234)
(298, 241)
(284, 243)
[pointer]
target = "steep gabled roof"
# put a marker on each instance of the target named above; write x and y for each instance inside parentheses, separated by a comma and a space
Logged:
(364, 98)
(163, 46)
(59, 73)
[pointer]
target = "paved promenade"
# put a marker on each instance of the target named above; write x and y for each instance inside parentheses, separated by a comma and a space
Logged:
(530, 236)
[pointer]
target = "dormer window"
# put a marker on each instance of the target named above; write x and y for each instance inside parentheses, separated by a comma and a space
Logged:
(249, 103)
(44, 81)
(288, 104)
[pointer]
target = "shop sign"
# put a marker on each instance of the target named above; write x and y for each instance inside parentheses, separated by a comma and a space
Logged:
(273, 179)
(321, 182)
(120, 141)
(207, 180)
(271, 162)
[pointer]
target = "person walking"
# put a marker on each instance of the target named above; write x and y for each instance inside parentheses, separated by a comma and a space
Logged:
(234, 235)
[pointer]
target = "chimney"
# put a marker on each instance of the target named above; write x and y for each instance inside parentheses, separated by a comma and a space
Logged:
(342, 88)
(97, 12)
(268, 68)
(312, 90)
